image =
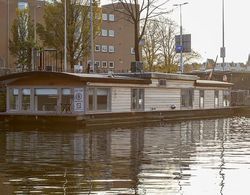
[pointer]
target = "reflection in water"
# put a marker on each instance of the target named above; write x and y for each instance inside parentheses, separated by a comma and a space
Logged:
(191, 157)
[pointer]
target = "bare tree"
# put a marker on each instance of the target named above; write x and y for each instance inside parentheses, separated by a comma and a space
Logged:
(167, 43)
(151, 47)
(138, 12)
(159, 48)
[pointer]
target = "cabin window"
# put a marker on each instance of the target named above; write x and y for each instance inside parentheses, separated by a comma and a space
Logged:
(13, 97)
(99, 99)
(187, 98)
(102, 98)
(226, 98)
(46, 99)
(137, 99)
(216, 98)
(66, 101)
(26, 99)
(201, 98)
(91, 99)
(162, 82)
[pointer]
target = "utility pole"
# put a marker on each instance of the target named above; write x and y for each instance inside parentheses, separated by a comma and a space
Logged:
(181, 45)
(91, 37)
(223, 49)
(65, 35)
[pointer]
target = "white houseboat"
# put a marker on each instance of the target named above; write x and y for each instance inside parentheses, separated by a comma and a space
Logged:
(110, 98)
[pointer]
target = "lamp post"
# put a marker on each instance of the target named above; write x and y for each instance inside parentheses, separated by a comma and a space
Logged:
(223, 49)
(65, 36)
(91, 37)
(35, 6)
(181, 46)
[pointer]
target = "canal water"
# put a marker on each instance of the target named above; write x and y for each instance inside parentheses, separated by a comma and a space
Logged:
(190, 157)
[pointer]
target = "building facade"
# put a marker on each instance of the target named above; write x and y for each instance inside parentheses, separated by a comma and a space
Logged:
(113, 47)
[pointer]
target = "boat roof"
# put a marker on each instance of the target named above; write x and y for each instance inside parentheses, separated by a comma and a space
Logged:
(212, 83)
(81, 77)
(160, 75)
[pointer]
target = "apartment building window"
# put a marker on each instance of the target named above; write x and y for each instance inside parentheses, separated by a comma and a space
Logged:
(98, 48)
(111, 64)
(104, 48)
(111, 48)
(104, 32)
(104, 64)
(22, 5)
(97, 63)
(111, 33)
(111, 17)
(104, 16)
(132, 51)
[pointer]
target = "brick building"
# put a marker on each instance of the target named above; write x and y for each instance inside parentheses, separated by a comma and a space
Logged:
(113, 47)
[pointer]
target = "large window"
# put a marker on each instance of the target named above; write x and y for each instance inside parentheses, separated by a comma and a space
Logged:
(22, 5)
(187, 98)
(26, 99)
(201, 98)
(99, 99)
(137, 99)
(226, 98)
(46, 99)
(216, 98)
(111, 17)
(13, 99)
(66, 101)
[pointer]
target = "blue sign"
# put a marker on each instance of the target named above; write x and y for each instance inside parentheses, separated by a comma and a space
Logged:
(179, 48)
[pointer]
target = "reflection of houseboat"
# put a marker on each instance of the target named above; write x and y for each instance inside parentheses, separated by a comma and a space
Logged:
(89, 98)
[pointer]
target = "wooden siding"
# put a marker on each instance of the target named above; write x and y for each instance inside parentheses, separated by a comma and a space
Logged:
(196, 100)
(161, 99)
(173, 83)
(209, 99)
(121, 99)
(180, 84)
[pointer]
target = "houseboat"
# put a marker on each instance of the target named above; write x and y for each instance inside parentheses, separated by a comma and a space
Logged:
(92, 99)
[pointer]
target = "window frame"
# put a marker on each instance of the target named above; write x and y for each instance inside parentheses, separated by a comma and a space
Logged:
(97, 46)
(111, 33)
(111, 17)
(111, 62)
(95, 99)
(187, 98)
(113, 48)
(104, 32)
(104, 16)
(104, 48)
(135, 100)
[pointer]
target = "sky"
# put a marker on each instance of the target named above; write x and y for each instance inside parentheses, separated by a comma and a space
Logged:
(203, 20)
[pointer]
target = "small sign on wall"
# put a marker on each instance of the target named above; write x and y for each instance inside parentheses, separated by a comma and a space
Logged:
(78, 99)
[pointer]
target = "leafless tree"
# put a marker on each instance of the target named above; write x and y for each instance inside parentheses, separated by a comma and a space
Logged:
(139, 12)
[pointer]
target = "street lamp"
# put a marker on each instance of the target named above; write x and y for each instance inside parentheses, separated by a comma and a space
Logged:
(91, 36)
(35, 6)
(181, 46)
(65, 36)
(223, 49)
